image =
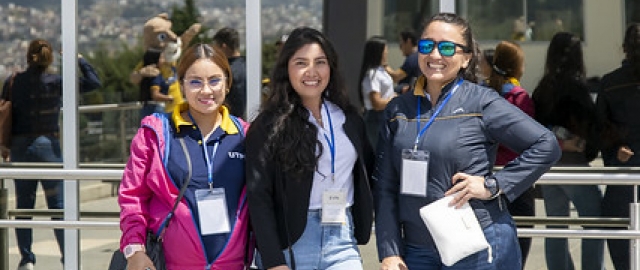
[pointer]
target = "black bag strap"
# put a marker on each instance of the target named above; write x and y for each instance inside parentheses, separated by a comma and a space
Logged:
(183, 189)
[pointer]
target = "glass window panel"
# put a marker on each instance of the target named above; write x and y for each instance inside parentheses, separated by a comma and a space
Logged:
(523, 20)
(401, 15)
(632, 11)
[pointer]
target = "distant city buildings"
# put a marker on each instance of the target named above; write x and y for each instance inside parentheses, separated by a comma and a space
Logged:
(102, 24)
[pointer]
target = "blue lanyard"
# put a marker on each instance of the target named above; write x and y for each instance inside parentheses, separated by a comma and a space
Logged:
(207, 158)
(435, 114)
(331, 143)
(210, 160)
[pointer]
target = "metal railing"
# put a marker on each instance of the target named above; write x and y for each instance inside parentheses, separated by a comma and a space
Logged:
(564, 176)
(108, 125)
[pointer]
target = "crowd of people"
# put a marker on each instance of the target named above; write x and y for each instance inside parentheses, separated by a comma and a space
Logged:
(305, 181)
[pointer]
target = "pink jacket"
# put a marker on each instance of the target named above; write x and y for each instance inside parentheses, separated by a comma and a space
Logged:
(147, 195)
(520, 98)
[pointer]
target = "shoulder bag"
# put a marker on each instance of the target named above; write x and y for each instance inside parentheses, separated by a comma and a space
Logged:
(153, 246)
(6, 118)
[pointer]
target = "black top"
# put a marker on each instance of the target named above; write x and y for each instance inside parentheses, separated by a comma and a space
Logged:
(617, 103)
(266, 199)
(36, 99)
(237, 97)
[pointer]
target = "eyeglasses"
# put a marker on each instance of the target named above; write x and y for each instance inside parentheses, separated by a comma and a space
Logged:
(446, 48)
(198, 84)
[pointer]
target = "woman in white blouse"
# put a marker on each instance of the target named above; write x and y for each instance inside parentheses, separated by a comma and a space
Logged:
(376, 85)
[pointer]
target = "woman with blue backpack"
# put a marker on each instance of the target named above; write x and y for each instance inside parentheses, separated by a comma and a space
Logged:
(185, 179)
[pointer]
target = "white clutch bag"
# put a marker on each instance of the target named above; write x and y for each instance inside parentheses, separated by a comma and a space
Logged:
(456, 232)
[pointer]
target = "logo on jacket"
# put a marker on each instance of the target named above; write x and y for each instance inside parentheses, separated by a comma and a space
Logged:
(236, 155)
(458, 111)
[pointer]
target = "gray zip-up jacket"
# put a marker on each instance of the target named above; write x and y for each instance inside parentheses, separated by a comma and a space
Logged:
(463, 138)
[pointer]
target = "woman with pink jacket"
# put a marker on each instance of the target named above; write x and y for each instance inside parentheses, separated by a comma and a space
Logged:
(199, 146)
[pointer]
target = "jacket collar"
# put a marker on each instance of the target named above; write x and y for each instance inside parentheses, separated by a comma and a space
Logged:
(226, 123)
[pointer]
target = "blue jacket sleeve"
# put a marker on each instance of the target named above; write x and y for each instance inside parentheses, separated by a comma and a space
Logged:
(539, 148)
(89, 80)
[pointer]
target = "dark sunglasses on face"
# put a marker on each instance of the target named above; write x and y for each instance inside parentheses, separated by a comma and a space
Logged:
(446, 48)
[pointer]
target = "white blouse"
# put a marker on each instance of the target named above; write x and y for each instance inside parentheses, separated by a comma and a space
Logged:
(376, 80)
(345, 156)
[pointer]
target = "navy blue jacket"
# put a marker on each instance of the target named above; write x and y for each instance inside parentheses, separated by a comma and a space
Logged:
(463, 138)
(36, 99)
(617, 104)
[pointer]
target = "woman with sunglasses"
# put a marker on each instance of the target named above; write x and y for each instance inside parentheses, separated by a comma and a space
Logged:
(308, 160)
(440, 140)
(196, 152)
(376, 85)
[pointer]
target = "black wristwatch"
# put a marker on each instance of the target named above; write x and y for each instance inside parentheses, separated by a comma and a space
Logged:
(491, 184)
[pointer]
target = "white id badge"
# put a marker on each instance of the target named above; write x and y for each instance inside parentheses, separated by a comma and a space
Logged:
(334, 205)
(212, 209)
(415, 169)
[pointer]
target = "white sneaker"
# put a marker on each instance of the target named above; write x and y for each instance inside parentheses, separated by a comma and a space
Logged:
(26, 266)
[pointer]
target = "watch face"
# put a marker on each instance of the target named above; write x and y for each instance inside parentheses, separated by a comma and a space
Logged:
(491, 185)
(491, 182)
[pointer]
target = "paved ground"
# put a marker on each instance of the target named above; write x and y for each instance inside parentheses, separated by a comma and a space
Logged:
(98, 245)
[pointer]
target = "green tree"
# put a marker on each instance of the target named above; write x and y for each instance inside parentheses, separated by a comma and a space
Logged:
(114, 68)
(185, 16)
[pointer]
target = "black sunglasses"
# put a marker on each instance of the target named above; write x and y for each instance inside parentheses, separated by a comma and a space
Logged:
(446, 48)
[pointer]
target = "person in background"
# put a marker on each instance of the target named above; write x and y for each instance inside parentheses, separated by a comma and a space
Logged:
(376, 85)
(506, 68)
(154, 91)
(452, 126)
(228, 40)
(485, 66)
(563, 104)
(617, 104)
(36, 99)
(308, 161)
(199, 147)
(406, 75)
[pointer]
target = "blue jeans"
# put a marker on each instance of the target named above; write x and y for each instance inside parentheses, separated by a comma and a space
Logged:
(325, 247)
(39, 149)
(502, 237)
(615, 203)
(587, 200)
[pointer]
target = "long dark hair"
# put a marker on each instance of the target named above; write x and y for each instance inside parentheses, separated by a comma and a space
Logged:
(371, 58)
(562, 97)
(564, 67)
(292, 140)
(631, 48)
(468, 73)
